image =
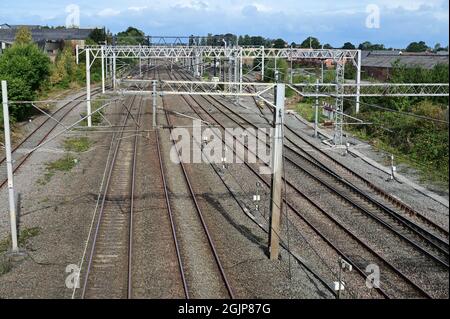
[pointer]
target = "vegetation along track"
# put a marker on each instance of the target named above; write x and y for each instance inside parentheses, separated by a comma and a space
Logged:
(343, 226)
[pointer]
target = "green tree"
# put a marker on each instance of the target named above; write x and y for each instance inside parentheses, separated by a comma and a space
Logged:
(348, 46)
(417, 47)
(25, 68)
(311, 42)
(23, 36)
(279, 44)
(131, 36)
(27, 62)
(368, 46)
(98, 35)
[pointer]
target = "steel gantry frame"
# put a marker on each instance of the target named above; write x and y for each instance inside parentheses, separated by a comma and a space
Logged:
(194, 56)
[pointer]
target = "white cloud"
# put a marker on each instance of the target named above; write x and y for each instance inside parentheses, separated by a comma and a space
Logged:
(409, 4)
(137, 9)
(108, 12)
(193, 4)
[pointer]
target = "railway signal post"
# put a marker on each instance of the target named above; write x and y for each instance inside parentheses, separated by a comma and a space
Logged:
(9, 168)
(277, 170)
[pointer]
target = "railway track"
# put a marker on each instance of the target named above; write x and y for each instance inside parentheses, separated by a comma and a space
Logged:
(397, 271)
(341, 185)
(37, 136)
(354, 180)
(213, 253)
(109, 269)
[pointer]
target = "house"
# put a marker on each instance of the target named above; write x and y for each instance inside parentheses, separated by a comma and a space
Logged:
(378, 64)
(49, 40)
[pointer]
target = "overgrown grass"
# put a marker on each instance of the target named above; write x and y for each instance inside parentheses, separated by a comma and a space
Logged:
(421, 144)
(429, 172)
(5, 266)
(79, 145)
(23, 239)
(307, 111)
(64, 164)
(97, 118)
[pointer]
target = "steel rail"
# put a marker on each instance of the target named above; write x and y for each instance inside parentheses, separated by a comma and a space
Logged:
(351, 234)
(395, 201)
(102, 207)
(315, 229)
(172, 221)
(424, 234)
(133, 189)
(199, 211)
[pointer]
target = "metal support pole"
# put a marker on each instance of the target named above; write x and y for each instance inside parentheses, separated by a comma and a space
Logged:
(241, 75)
(277, 169)
(114, 70)
(76, 53)
(241, 69)
(276, 69)
(358, 81)
(235, 79)
(321, 76)
(88, 87)
(9, 168)
(154, 103)
(140, 67)
(316, 110)
(103, 68)
(263, 64)
(106, 69)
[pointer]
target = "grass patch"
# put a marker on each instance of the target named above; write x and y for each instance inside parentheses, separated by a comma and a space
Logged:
(79, 145)
(64, 164)
(97, 118)
(23, 239)
(5, 266)
(307, 111)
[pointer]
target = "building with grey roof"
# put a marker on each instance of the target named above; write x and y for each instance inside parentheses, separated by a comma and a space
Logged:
(378, 64)
(50, 40)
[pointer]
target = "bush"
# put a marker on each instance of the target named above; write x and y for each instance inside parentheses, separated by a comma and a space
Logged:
(26, 62)
(425, 144)
(25, 68)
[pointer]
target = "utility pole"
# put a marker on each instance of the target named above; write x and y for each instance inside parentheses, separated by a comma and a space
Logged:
(114, 70)
(154, 103)
(263, 63)
(103, 68)
(277, 170)
(88, 87)
(358, 81)
(9, 168)
(316, 110)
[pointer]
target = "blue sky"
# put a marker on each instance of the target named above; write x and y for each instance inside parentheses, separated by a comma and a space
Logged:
(332, 21)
